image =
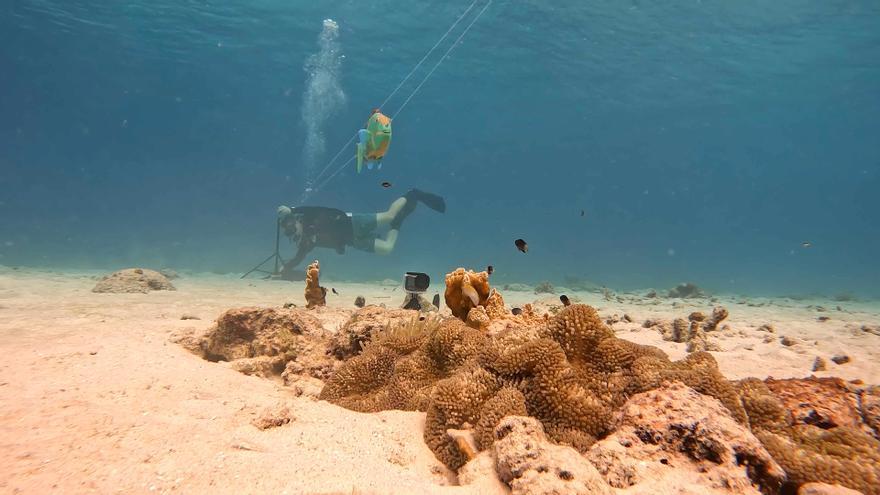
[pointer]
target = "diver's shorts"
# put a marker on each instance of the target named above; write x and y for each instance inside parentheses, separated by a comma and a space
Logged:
(363, 231)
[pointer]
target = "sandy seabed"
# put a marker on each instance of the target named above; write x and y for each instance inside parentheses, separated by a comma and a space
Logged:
(94, 398)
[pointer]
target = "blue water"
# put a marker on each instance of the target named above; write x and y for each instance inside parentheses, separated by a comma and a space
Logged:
(705, 141)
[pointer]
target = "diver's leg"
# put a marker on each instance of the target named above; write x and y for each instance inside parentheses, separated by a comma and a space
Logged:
(385, 217)
(402, 207)
(386, 245)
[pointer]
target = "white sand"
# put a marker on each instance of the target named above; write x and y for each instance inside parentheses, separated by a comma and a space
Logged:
(94, 398)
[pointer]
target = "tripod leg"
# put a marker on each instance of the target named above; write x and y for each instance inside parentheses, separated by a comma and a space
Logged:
(277, 243)
(252, 270)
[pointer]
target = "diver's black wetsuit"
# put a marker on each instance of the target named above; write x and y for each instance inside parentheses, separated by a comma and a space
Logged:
(336, 229)
(322, 227)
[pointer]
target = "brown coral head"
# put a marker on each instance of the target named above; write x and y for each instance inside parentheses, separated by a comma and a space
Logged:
(466, 289)
(578, 328)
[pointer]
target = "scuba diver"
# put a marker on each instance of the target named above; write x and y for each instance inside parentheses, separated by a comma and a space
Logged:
(316, 226)
(373, 141)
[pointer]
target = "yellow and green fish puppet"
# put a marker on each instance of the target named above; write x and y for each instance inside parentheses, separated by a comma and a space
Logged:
(373, 141)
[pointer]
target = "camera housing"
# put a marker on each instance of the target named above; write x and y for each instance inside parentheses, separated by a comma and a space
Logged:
(416, 282)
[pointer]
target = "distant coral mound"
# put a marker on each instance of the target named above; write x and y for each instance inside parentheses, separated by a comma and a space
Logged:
(686, 290)
(133, 280)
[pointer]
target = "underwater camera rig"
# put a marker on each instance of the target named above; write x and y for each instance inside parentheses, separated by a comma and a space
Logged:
(275, 256)
(415, 284)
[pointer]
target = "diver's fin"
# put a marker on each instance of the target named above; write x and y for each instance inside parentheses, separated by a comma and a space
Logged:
(432, 201)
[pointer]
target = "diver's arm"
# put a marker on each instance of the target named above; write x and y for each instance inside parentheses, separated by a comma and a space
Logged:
(304, 248)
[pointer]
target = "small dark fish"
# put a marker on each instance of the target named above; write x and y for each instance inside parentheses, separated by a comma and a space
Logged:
(334, 290)
(436, 301)
(521, 245)
(565, 300)
(516, 311)
(490, 269)
(386, 184)
(807, 244)
(583, 213)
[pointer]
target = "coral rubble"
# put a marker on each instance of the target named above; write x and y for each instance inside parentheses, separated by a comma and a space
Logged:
(694, 331)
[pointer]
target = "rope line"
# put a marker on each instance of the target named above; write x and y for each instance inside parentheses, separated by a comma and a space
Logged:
(328, 179)
(405, 79)
(457, 40)
(400, 85)
(318, 182)
(344, 146)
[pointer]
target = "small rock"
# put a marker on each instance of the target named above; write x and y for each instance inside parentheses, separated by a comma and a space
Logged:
(766, 327)
(289, 305)
(823, 318)
(840, 359)
(532, 465)
(874, 329)
(273, 417)
(788, 341)
(651, 294)
(360, 302)
(696, 316)
(189, 317)
(819, 364)
(767, 339)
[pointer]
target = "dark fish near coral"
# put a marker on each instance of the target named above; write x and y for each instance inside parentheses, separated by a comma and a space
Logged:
(516, 311)
(490, 269)
(386, 184)
(436, 301)
(521, 245)
(565, 300)
(334, 290)
(807, 244)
